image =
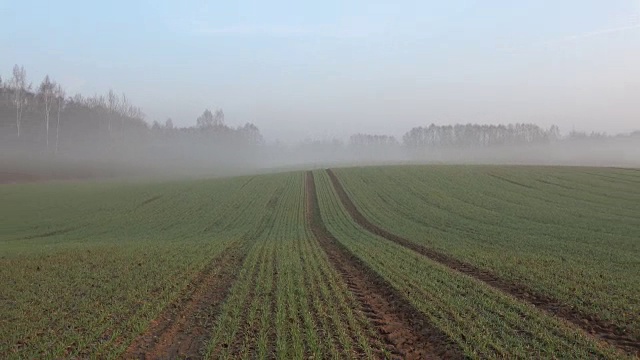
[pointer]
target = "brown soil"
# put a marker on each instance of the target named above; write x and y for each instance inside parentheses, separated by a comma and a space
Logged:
(148, 201)
(11, 177)
(406, 331)
(184, 326)
(608, 332)
(17, 178)
(511, 181)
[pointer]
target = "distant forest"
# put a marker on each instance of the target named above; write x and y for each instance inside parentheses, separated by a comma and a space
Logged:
(43, 119)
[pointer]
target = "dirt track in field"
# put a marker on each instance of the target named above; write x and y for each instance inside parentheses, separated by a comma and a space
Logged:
(183, 328)
(600, 329)
(17, 178)
(12, 177)
(406, 331)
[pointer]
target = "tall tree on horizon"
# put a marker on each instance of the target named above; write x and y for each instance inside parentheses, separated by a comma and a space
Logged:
(19, 86)
(59, 95)
(47, 93)
(124, 109)
(205, 120)
(112, 106)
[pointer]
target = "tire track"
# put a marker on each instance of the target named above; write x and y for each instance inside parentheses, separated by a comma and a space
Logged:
(406, 331)
(147, 201)
(52, 233)
(605, 331)
(183, 328)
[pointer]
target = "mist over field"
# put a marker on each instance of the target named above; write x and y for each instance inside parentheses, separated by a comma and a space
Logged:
(45, 135)
(83, 146)
(362, 179)
(219, 89)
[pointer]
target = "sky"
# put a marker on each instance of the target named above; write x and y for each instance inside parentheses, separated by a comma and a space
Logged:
(317, 70)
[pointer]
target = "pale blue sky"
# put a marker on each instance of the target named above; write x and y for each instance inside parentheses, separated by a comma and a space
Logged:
(331, 68)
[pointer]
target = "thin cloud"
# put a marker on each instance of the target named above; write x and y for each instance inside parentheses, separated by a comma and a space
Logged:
(271, 30)
(334, 31)
(593, 34)
(578, 37)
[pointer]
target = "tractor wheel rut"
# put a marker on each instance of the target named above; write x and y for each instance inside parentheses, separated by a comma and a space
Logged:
(405, 330)
(602, 330)
(183, 328)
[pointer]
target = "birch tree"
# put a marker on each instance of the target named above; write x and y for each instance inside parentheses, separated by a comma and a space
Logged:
(168, 124)
(47, 93)
(205, 120)
(124, 112)
(112, 106)
(218, 118)
(19, 86)
(59, 95)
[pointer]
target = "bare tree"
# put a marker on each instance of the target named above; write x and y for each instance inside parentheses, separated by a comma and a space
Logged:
(112, 106)
(100, 105)
(135, 113)
(19, 86)
(59, 94)
(205, 120)
(124, 112)
(210, 120)
(168, 124)
(218, 118)
(47, 93)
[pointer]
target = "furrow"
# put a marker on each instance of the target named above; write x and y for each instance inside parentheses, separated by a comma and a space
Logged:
(184, 326)
(605, 331)
(406, 331)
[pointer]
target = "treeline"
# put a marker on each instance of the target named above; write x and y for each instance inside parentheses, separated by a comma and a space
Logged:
(477, 136)
(43, 119)
(474, 135)
(210, 126)
(462, 136)
(467, 143)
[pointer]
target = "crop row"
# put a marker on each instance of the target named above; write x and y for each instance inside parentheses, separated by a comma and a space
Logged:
(288, 302)
(86, 267)
(576, 242)
(236, 268)
(484, 322)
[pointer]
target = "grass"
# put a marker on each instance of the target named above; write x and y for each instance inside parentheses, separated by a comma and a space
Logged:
(288, 302)
(570, 233)
(85, 267)
(484, 322)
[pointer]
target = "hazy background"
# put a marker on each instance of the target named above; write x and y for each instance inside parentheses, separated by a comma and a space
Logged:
(292, 84)
(329, 69)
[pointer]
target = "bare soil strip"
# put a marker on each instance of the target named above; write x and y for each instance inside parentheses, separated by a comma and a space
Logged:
(11, 177)
(608, 332)
(17, 178)
(507, 180)
(52, 233)
(148, 201)
(406, 331)
(184, 326)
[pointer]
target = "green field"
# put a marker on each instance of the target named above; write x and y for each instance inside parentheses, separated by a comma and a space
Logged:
(571, 233)
(273, 266)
